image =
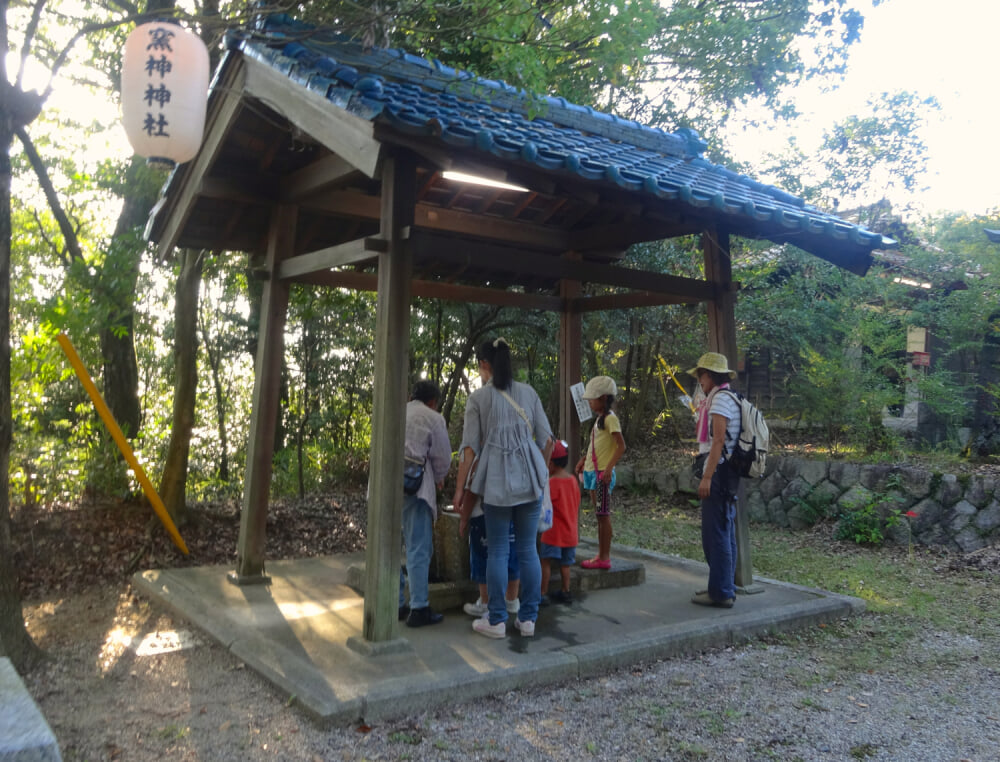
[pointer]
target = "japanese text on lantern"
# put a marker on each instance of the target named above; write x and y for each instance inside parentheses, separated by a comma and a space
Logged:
(157, 96)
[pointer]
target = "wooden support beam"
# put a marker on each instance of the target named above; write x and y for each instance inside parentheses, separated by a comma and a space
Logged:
(722, 338)
(359, 251)
(221, 119)
(570, 361)
(722, 306)
(625, 301)
(266, 397)
(392, 339)
(436, 290)
(434, 218)
(348, 136)
(321, 175)
(258, 191)
(428, 247)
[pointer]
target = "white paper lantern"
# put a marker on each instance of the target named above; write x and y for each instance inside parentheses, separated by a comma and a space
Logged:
(164, 92)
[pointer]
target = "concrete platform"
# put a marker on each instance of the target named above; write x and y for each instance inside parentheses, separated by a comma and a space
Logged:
(25, 736)
(442, 596)
(295, 632)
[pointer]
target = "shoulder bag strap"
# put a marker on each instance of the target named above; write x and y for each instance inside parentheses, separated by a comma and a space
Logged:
(518, 408)
(593, 446)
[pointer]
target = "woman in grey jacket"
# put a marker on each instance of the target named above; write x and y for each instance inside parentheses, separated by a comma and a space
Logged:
(508, 436)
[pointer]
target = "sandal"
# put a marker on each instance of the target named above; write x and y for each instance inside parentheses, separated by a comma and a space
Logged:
(596, 563)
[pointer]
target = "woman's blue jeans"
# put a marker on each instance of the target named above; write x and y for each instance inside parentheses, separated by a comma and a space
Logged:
(718, 534)
(525, 518)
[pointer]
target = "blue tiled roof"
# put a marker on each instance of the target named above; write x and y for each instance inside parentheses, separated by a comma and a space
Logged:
(428, 99)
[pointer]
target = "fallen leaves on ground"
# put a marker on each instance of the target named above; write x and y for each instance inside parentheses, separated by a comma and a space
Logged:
(74, 547)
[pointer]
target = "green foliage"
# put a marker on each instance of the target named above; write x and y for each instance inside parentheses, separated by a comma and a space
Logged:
(687, 63)
(870, 157)
(866, 523)
(845, 362)
(813, 507)
(702, 58)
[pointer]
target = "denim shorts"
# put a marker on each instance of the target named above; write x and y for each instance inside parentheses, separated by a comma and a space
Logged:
(590, 480)
(565, 556)
(478, 555)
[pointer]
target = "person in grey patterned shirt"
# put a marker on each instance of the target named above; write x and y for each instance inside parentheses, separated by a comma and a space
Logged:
(427, 442)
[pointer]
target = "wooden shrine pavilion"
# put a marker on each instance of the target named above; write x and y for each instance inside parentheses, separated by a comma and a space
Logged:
(326, 162)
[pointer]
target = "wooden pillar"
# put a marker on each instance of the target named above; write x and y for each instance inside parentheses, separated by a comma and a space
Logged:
(266, 393)
(722, 310)
(722, 338)
(392, 340)
(570, 365)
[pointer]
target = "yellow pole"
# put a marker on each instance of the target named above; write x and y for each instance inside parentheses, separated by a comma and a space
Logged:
(670, 372)
(119, 437)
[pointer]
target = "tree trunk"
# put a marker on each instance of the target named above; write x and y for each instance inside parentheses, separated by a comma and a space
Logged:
(172, 486)
(625, 384)
(466, 351)
(214, 364)
(15, 643)
(307, 361)
(121, 372)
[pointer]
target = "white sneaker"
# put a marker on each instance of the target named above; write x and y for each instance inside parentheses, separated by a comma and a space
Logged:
(483, 627)
(527, 628)
(476, 609)
(513, 606)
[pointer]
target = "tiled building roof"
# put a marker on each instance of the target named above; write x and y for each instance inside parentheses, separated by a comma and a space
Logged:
(430, 101)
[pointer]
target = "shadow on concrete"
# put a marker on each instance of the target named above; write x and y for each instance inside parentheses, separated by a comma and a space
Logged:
(294, 632)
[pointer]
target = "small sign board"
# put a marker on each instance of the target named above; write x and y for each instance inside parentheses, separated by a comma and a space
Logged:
(583, 411)
(916, 339)
(922, 358)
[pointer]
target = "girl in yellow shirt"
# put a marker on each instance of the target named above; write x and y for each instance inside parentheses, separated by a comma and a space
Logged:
(597, 464)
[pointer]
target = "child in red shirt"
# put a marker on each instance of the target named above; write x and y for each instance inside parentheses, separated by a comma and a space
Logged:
(559, 542)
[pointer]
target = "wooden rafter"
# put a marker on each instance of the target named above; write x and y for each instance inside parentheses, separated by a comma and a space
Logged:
(221, 121)
(346, 135)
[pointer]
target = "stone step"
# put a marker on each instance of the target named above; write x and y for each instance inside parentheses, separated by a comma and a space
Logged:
(25, 736)
(445, 595)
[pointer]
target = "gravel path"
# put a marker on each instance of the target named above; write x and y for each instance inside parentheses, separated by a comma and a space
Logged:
(780, 700)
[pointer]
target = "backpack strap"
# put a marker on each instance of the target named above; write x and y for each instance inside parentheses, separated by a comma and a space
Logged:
(739, 407)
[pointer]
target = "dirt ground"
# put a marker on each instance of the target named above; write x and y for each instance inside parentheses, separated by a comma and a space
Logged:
(122, 680)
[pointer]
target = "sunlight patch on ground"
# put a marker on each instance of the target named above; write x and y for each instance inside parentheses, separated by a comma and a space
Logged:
(152, 644)
(306, 609)
(164, 642)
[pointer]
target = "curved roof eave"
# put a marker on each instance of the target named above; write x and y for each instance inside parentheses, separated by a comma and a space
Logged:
(432, 103)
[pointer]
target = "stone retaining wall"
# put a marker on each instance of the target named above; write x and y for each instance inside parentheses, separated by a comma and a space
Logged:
(961, 512)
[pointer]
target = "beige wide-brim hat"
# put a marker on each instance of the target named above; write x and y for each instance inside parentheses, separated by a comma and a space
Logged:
(598, 387)
(715, 362)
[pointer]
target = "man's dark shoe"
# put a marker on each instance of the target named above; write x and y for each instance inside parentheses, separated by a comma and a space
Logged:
(424, 616)
(704, 599)
(404, 611)
(562, 596)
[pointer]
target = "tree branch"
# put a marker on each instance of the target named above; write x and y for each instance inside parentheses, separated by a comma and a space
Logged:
(90, 29)
(72, 242)
(29, 35)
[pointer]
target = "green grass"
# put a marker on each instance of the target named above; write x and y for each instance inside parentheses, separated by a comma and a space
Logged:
(912, 597)
(173, 732)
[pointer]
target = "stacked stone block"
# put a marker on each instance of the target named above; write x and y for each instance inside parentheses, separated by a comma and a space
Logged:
(962, 513)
